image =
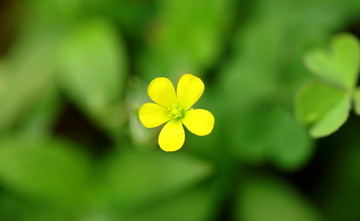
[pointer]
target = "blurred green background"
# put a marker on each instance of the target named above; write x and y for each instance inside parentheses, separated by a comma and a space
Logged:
(73, 74)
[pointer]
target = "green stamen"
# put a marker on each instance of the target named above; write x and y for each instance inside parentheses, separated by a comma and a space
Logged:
(176, 112)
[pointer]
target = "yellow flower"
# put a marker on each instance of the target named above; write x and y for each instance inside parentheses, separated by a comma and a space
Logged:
(175, 109)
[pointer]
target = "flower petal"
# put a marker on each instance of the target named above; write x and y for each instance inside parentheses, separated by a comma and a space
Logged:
(189, 90)
(199, 121)
(172, 136)
(153, 115)
(161, 90)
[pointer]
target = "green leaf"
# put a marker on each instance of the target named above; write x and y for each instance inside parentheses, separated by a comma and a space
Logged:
(357, 101)
(250, 139)
(267, 199)
(41, 116)
(137, 179)
(14, 207)
(190, 42)
(25, 76)
(193, 206)
(340, 65)
(43, 169)
(93, 69)
(290, 146)
(323, 107)
(264, 67)
(334, 119)
(269, 133)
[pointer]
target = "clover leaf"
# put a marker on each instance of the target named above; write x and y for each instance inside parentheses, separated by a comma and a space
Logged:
(357, 101)
(340, 64)
(324, 105)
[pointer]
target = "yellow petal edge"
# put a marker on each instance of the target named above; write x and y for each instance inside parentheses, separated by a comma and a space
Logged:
(172, 136)
(153, 115)
(161, 90)
(189, 90)
(199, 121)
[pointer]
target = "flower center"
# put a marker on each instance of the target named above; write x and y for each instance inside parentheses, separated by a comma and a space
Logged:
(176, 111)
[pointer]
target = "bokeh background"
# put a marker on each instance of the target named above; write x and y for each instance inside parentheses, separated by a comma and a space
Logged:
(73, 74)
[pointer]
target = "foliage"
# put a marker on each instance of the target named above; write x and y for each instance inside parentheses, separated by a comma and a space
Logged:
(326, 105)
